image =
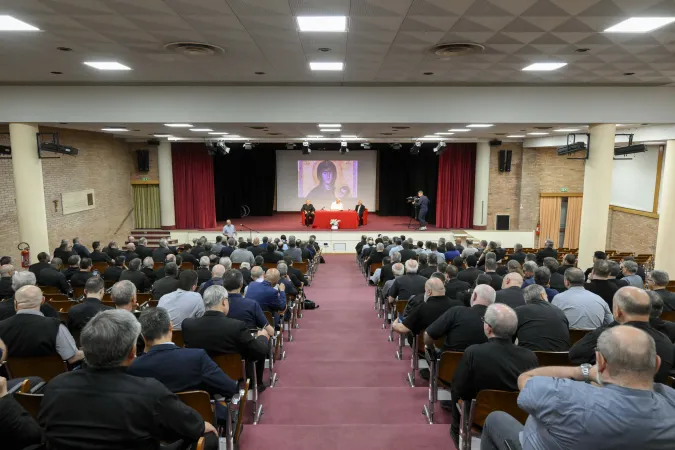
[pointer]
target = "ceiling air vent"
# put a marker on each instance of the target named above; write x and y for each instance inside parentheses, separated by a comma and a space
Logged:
(194, 48)
(444, 51)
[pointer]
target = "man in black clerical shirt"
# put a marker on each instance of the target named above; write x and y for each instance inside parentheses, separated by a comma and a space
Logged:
(113, 273)
(454, 286)
(80, 278)
(97, 255)
(599, 282)
(547, 251)
(541, 326)
(43, 263)
(360, 209)
(309, 211)
(657, 281)
(79, 315)
(136, 276)
(433, 304)
(511, 293)
(470, 274)
(408, 284)
(52, 276)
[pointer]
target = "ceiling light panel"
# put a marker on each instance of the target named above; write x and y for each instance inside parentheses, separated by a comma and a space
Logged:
(538, 133)
(329, 125)
(322, 24)
(544, 66)
(9, 23)
(480, 125)
(640, 24)
(179, 125)
(326, 66)
(107, 65)
(200, 130)
(114, 129)
(459, 130)
(566, 130)
(515, 136)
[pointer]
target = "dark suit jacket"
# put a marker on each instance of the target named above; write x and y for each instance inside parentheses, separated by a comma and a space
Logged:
(272, 257)
(129, 256)
(469, 275)
(604, 288)
(37, 268)
(112, 252)
(216, 333)
(150, 273)
(52, 277)
(519, 256)
(143, 251)
(113, 273)
(407, 254)
(296, 276)
(545, 253)
(18, 429)
(98, 256)
(558, 282)
(159, 254)
(454, 286)
(163, 286)
(6, 290)
(512, 297)
(63, 255)
(386, 273)
(183, 369)
(138, 278)
(359, 210)
(79, 315)
(81, 250)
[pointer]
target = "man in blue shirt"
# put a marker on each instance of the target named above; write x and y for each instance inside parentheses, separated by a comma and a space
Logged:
(622, 409)
(423, 203)
(229, 231)
(241, 308)
(269, 296)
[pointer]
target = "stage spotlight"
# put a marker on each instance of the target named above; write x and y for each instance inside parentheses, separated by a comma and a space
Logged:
(290, 146)
(365, 145)
(343, 147)
(396, 146)
(306, 150)
(248, 146)
(415, 149)
(439, 149)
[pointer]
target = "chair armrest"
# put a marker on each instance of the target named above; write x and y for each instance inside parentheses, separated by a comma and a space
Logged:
(14, 389)
(38, 387)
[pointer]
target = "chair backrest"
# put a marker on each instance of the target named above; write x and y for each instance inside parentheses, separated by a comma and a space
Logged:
(242, 411)
(448, 365)
(177, 338)
(301, 266)
(78, 292)
(100, 266)
(553, 358)
(489, 401)
(187, 266)
(50, 289)
(230, 363)
(62, 305)
(668, 315)
(29, 402)
(45, 367)
(142, 297)
(374, 266)
(200, 401)
(157, 264)
(400, 306)
(108, 303)
(236, 265)
(270, 317)
(269, 265)
(577, 335)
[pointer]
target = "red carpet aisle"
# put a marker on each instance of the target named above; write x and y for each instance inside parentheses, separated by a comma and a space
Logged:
(340, 386)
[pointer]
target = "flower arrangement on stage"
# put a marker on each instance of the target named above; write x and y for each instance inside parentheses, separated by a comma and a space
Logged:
(334, 223)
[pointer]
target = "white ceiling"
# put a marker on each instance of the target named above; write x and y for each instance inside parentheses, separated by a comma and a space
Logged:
(386, 43)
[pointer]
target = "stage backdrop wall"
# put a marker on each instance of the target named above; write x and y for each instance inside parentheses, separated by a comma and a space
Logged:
(245, 178)
(402, 175)
(193, 186)
(353, 173)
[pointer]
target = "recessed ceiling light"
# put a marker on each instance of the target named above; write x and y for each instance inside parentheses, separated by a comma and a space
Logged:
(566, 130)
(334, 66)
(234, 136)
(162, 135)
(107, 65)
(459, 130)
(56, 73)
(431, 136)
(349, 136)
(480, 125)
(64, 49)
(428, 73)
(545, 67)
(582, 50)
(514, 136)
(114, 129)
(9, 23)
(178, 125)
(259, 73)
(314, 136)
(627, 74)
(640, 24)
(322, 23)
(217, 132)
(324, 49)
(329, 125)
(198, 130)
(330, 130)
(538, 133)
(445, 134)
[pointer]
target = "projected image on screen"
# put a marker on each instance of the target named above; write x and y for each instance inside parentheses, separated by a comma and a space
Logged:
(323, 181)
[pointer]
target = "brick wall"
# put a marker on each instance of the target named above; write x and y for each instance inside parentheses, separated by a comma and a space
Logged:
(103, 164)
(631, 233)
(504, 190)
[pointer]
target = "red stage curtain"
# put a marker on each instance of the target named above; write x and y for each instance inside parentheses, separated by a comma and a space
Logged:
(194, 194)
(456, 172)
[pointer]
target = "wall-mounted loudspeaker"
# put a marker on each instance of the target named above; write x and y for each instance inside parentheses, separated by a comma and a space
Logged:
(143, 158)
(505, 160)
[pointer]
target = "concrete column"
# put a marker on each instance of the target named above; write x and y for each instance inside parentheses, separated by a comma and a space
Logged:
(597, 189)
(482, 184)
(29, 188)
(166, 204)
(665, 258)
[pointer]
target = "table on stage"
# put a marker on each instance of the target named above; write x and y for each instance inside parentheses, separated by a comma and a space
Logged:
(348, 219)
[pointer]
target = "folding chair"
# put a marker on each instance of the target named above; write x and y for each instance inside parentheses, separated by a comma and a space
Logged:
(177, 338)
(417, 348)
(61, 305)
(78, 292)
(399, 307)
(50, 289)
(577, 335)
(234, 366)
(372, 269)
(45, 367)
(553, 358)
(29, 402)
(157, 265)
(239, 427)
(474, 413)
(271, 349)
(441, 372)
(100, 266)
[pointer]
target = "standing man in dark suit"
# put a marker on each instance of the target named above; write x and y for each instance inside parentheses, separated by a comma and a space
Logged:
(216, 333)
(360, 209)
(546, 252)
(309, 211)
(423, 202)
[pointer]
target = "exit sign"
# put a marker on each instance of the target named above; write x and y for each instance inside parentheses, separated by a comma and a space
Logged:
(146, 179)
(563, 189)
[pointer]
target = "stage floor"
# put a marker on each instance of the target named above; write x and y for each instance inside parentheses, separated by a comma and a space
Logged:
(291, 222)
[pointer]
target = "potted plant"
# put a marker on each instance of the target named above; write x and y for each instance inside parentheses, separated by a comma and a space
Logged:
(334, 224)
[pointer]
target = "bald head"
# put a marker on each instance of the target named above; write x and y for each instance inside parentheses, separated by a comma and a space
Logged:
(512, 279)
(502, 320)
(435, 287)
(631, 304)
(28, 297)
(131, 247)
(272, 276)
(218, 271)
(628, 352)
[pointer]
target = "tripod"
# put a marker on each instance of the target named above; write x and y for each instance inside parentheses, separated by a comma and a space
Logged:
(415, 212)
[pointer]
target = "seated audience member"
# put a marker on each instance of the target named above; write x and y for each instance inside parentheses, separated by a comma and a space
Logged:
(43, 263)
(257, 273)
(245, 270)
(407, 252)
(73, 267)
(361, 244)
(629, 270)
(597, 256)
(149, 269)
(218, 246)
(80, 249)
(6, 273)
(453, 285)
(216, 333)
(203, 273)
(568, 262)
(451, 251)
(97, 255)
(440, 257)
(495, 364)
(511, 293)
(470, 274)
(547, 252)
(64, 251)
(216, 278)
(159, 254)
(614, 272)
(184, 302)
(458, 245)
(179, 369)
(657, 282)
(271, 255)
(241, 255)
(123, 294)
(284, 279)
(431, 267)
(229, 248)
(542, 277)
(113, 273)
(584, 309)
(375, 257)
(241, 308)
(134, 274)
(270, 295)
(640, 269)
(94, 407)
(529, 268)
(131, 252)
(79, 315)
(557, 281)
(408, 284)
(386, 272)
(541, 325)
(142, 249)
(395, 246)
(198, 248)
(518, 254)
(398, 269)
(470, 250)
(293, 251)
(19, 280)
(30, 333)
(531, 257)
(491, 271)
(80, 278)
(629, 411)
(599, 282)
(187, 256)
(112, 250)
(52, 276)
(631, 307)
(169, 283)
(462, 326)
(431, 305)
(423, 262)
(514, 266)
(18, 430)
(171, 258)
(665, 327)
(376, 277)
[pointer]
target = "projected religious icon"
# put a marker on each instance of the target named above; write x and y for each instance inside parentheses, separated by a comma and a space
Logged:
(323, 181)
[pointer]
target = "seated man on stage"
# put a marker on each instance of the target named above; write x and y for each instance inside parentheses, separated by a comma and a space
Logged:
(309, 211)
(228, 230)
(359, 210)
(337, 205)
(423, 203)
